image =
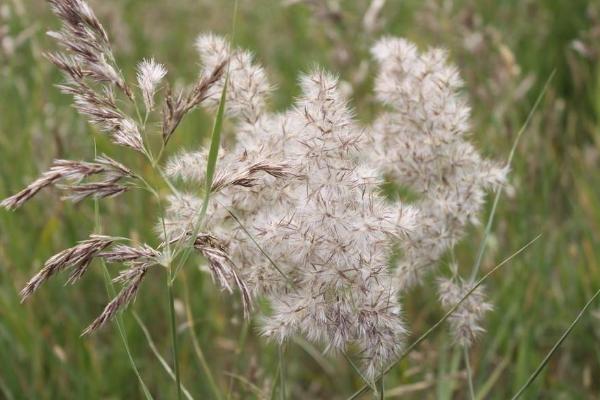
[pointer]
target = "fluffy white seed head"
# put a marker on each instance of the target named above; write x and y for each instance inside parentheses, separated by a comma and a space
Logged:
(465, 321)
(421, 144)
(149, 75)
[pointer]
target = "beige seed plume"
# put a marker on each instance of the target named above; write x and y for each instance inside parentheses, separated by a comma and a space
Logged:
(149, 75)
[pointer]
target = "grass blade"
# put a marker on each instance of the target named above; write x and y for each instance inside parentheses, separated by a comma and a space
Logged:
(555, 347)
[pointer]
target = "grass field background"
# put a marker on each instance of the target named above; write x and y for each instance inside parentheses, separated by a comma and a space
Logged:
(506, 51)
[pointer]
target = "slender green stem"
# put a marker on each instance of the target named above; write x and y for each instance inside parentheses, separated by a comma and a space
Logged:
(119, 323)
(359, 372)
(469, 373)
(195, 342)
(173, 333)
(544, 362)
(160, 358)
(241, 344)
(490, 221)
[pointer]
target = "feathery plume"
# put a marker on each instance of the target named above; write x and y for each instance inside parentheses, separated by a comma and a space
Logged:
(421, 145)
(247, 87)
(465, 322)
(149, 75)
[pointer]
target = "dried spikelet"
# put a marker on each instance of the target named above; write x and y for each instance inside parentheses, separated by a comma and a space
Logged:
(465, 321)
(177, 105)
(88, 58)
(149, 75)
(102, 111)
(133, 278)
(246, 175)
(134, 255)
(85, 38)
(139, 259)
(97, 190)
(77, 258)
(111, 170)
(222, 267)
(48, 178)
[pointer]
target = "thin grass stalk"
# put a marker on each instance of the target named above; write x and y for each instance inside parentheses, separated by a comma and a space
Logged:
(260, 248)
(488, 226)
(275, 382)
(469, 373)
(381, 390)
(160, 358)
(240, 346)
(445, 317)
(173, 332)
(213, 153)
(544, 362)
(197, 349)
(359, 372)
(119, 322)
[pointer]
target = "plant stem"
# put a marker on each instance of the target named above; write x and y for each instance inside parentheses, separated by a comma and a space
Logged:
(173, 333)
(488, 226)
(469, 373)
(196, 343)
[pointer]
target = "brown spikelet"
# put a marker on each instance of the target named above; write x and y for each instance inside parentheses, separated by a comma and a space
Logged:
(111, 170)
(247, 175)
(177, 105)
(17, 200)
(84, 37)
(143, 254)
(99, 190)
(135, 276)
(77, 258)
(222, 267)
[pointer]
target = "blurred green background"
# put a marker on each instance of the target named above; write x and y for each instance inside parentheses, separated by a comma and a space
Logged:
(506, 50)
